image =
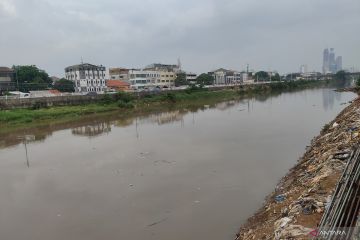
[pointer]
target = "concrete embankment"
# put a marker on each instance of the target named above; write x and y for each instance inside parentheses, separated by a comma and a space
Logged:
(298, 203)
(73, 100)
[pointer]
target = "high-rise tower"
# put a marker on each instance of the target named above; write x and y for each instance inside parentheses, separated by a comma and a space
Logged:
(339, 63)
(326, 61)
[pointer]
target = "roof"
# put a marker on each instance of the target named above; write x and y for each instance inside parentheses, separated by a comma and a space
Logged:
(116, 83)
(84, 66)
(54, 91)
(221, 70)
(6, 69)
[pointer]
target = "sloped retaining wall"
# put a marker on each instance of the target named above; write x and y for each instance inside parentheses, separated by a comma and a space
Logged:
(12, 103)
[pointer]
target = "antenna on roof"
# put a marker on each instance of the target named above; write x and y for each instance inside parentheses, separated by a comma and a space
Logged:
(82, 62)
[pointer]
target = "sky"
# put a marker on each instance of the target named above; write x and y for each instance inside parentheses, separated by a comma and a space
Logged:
(271, 35)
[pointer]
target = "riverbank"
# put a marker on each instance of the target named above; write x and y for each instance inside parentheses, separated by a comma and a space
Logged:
(296, 206)
(130, 103)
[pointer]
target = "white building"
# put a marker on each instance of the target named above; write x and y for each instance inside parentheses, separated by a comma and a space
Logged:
(191, 77)
(87, 77)
(223, 76)
(140, 79)
(219, 76)
(233, 77)
(144, 79)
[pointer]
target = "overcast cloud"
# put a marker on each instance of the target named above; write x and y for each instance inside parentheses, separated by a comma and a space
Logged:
(206, 34)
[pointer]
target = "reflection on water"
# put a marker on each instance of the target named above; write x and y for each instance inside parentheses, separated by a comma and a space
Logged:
(99, 126)
(194, 173)
(93, 130)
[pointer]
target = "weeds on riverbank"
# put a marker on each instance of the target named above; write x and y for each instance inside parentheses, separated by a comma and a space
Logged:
(127, 102)
(121, 101)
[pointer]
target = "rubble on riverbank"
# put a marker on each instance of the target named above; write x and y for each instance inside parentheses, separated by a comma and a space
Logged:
(296, 206)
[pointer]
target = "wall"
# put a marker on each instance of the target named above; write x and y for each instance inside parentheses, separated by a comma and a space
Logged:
(13, 103)
(47, 101)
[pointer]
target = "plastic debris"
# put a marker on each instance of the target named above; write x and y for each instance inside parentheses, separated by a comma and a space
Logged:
(308, 187)
(280, 198)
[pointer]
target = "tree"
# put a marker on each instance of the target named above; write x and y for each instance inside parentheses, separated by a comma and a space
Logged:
(262, 76)
(64, 85)
(340, 78)
(205, 79)
(181, 80)
(276, 77)
(31, 78)
(340, 75)
(358, 82)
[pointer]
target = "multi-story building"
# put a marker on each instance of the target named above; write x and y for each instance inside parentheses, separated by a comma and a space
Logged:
(7, 79)
(326, 61)
(223, 76)
(219, 76)
(140, 79)
(166, 79)
(119, 74)
(163, 67)
(87, 77)
(144, 78)
(330, 63)
(303, 69)
(339, 63)
(233, 77)
(191, 77)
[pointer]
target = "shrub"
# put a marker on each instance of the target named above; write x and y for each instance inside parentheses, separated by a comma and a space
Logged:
(170, 97)
(358, 82)
(38, 105)
(125, 97)
(123, 104)
(107, 99)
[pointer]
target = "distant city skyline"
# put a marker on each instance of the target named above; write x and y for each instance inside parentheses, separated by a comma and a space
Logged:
(206, 34)
(331, 64)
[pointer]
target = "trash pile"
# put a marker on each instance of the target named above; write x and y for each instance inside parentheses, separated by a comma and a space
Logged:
(295, 208)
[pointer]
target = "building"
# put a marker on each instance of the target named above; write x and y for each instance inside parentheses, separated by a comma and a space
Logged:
(54, 79)
(330, 63)
(303, 69)
(44, 93)
(140, 79)
(87, 77)
(326, 64)
(219, 76)
(191, 77)
(166, 79)
(233, 77)
(339, 63)
(7, 79)
(117, 85)
(224, 77)
(119, 74)
(163, 67)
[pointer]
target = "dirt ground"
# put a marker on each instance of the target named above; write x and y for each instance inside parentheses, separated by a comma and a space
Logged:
(296, 206)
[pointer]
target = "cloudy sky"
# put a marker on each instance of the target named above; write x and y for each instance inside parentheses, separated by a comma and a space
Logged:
(206, 34)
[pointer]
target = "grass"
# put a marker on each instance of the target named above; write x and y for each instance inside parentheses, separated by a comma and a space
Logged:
(127, 103)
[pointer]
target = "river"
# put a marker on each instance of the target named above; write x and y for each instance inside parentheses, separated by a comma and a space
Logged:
(182, 174)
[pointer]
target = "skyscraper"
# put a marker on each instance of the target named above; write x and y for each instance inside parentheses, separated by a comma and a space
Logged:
(339, 63)
(326, 61)
(330, 64)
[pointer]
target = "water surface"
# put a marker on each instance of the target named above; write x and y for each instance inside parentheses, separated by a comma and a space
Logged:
(183, 174)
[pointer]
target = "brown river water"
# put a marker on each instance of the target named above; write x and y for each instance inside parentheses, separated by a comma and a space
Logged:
(174, 175)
